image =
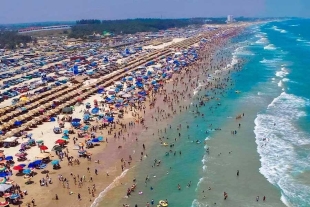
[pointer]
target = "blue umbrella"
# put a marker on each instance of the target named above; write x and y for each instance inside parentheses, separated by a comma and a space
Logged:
(27, 171)
(37, 162)
(85, 128)
(86, 117)
(81, 151)
(14, 196)
(66, 131)
(95, 140)
(3, 174)
(55, 162)
(9, 158)
(110, 119)
(31, 141)
(32, 165)
(22, 165)
(18, 123)
(76, 120)
(100, 138)
(65, 136)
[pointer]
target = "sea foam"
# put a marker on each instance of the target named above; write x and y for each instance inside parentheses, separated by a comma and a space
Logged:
(105, 191)
(282, 73)
(277, 138)
(270, 47)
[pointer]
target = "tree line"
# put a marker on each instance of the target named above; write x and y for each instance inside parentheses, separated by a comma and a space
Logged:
(11, 39)
(84, 27)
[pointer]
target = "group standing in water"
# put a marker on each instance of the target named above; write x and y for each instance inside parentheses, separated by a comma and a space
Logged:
(177, 96)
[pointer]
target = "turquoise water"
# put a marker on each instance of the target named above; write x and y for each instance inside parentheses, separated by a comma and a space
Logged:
(271, 148)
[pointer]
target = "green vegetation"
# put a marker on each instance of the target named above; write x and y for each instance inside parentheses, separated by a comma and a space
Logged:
(11, 39)
(84, 27)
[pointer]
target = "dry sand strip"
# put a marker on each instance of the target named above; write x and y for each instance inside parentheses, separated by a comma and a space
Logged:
(65, 94)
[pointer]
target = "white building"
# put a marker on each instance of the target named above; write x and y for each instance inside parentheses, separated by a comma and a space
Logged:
(230, 18)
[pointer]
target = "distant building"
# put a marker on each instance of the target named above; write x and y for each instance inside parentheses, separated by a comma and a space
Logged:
(230, 18)
(36, 29)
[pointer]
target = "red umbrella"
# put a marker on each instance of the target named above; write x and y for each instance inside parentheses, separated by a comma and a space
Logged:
(7, 195)
(43, 147)
(4, 203)
(17, 167)
(20, 154)
(60, 141)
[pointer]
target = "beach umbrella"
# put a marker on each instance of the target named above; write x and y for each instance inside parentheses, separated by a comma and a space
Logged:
(110, 119)
(65, 136)
(60, 141)
(86, 116)
(85, 128)
(55, 162)
(2, 169)
(57, 148)
(100, 138)
(27, 171)
(18, 123)
(32, 165)
(127, 95)
(3, 174)
(20, 154)
(95, 140)
(6, 195)
(81, 151)
(4, 187)
(17, 167)
(120, 93)
(43, 147)
(39, 141)
(14, 196)
(37, 162)
(66, 131)
(4, 203)
(9, 158)
(22, 165)
(2, 181)
(76, 120)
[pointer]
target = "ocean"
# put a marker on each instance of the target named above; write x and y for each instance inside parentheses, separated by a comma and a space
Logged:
(271, 147)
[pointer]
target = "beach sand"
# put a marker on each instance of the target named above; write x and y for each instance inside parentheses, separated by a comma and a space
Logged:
(108, 153)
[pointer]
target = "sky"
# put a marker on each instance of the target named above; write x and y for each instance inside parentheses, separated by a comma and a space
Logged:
(24, 11)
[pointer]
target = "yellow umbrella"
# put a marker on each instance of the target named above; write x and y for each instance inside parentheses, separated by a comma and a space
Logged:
(24, 98)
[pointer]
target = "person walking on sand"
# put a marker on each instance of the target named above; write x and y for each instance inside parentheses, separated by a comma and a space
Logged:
(237, 172)
(264, 198)
(79, 196)
(257, 198)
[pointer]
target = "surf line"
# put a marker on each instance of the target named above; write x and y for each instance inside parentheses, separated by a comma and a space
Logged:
(110, 187)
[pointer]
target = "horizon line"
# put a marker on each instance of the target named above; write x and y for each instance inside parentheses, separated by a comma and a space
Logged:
(74, 21)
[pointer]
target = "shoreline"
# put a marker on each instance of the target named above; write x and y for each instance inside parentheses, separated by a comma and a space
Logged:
(115, 195)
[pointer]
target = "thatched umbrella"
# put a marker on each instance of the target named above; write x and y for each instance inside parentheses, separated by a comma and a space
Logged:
(46, 105)
(39, 118)
(31, 124)
(2, 110)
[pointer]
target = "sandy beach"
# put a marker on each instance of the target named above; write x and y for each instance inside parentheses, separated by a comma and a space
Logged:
(127, 141)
